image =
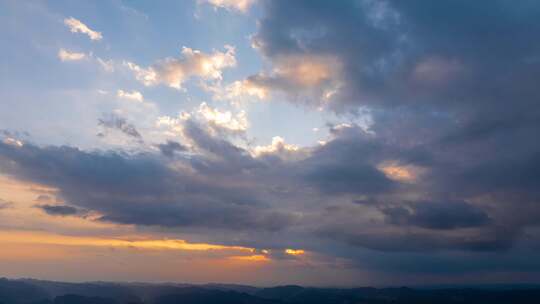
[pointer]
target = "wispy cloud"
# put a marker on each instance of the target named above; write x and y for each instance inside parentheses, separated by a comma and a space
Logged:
(133, 95)
(76, 26)
(66, 55)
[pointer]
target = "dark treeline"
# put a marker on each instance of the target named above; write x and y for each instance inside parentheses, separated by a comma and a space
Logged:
(47, 292)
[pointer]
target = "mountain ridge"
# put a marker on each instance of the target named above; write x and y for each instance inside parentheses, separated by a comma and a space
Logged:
(32, 291)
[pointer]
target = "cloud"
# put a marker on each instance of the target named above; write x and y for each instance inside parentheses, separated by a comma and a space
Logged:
(59, 210)
(116, 122)
(122, 187)
(66, 55)
(147, 76)
(439, 101)
(335, 168)
(5, 204)
(391, 54)
(193, 63)
(220, 156)
(301, 72)
(107, 65)
(212, 120)
(12, 141)
(231, 5)
(170, 148)
(133, 95)
(76, 26)
(299, 77)
(437, 215)
(238, 91)
(223, 119)
(43, 198)
(397, 172)
(279, 148)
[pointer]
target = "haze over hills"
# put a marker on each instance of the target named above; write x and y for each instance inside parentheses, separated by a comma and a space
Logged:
(28, 291)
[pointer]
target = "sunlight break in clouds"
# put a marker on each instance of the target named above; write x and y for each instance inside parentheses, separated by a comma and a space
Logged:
(400, 173)
(66, 55)
(76, 26)
(295, 251)
(193, 63)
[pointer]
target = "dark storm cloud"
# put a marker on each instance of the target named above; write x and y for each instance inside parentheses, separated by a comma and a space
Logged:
(60, 210)
(452, 88)
(347, 165)
(398, 240)
(393, 52)
(140, 189)
(224, 157)
(437, 215)
(115, 122)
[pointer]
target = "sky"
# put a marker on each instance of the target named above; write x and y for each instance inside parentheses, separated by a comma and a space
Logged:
(320, 143)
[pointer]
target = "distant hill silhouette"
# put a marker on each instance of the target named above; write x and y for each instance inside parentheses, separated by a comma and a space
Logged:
(205, 296)
(48, 292)
(76, 299)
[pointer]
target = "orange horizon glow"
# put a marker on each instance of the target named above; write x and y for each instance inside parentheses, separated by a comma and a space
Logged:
(295, 251)
(43, 238)
(252, 258)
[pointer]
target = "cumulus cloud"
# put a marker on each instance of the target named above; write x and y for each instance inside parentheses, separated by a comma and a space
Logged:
(66, 55)
(193, 63)
(214, 120)
(279, 148)
(76, 26)
(224, 119)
